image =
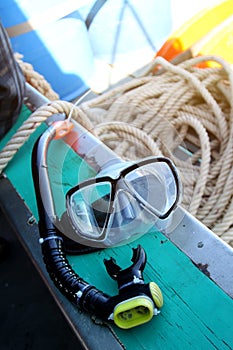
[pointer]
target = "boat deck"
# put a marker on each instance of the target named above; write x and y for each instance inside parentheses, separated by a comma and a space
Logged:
(192, 266)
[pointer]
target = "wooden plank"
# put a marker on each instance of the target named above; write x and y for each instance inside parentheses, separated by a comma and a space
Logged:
(197, 313)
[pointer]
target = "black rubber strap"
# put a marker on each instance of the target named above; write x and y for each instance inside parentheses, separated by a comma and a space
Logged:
(74, 248)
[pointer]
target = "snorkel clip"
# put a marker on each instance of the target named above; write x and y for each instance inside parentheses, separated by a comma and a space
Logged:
(130, 275)
(136, 302)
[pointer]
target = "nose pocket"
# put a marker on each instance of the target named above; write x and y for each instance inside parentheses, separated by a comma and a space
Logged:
(126, 205)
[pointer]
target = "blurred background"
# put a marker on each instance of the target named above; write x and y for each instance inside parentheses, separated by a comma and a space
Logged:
(77, 44)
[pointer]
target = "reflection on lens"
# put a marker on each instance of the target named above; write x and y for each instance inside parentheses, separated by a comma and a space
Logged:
(89, 207)
(154, 185)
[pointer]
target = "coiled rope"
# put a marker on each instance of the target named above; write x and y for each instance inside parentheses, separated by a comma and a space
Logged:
(186, 113)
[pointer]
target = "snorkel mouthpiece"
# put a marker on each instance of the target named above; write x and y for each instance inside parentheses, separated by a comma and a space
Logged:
(136, 302)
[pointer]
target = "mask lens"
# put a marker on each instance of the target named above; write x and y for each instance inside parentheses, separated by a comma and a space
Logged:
(89, 207)
(154, 185)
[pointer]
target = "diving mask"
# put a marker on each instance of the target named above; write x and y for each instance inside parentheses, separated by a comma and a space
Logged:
(122, 202)
(111, 209)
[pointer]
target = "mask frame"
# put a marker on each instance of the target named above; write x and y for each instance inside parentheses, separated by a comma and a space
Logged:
(114, 182)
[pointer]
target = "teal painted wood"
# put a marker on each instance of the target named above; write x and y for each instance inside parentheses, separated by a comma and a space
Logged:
(19, 169)
(197, 314)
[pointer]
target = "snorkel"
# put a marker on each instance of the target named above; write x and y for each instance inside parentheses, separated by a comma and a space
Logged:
(136, 302)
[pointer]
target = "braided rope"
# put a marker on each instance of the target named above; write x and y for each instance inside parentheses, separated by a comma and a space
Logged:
(35, 79)
(161, 114)
(32, 123)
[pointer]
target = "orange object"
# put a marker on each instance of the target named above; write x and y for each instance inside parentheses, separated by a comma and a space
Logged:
(208, 32)
(170, 49)
(62, 128)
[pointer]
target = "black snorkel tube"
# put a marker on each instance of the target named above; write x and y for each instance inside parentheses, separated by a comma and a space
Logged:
(136, 302)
